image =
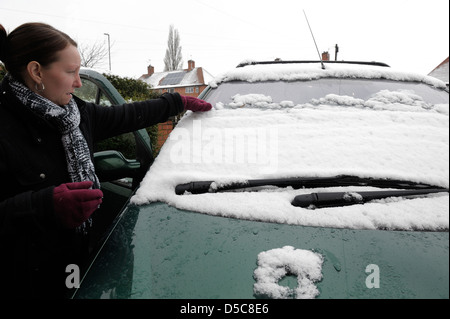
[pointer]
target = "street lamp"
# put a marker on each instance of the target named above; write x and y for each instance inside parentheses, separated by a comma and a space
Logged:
(109, 50)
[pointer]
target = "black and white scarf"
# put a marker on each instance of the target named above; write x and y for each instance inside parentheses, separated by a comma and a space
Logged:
(66, 119)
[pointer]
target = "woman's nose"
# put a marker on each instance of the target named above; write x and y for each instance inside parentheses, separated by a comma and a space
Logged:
(78, 83)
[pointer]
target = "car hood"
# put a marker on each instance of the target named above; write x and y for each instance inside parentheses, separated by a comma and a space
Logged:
(262, 139)
(157, 251)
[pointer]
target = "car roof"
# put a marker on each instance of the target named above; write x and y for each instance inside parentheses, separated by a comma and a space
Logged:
(253, 71)
(245, 63)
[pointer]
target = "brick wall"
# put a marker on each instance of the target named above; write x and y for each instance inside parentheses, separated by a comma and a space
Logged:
(182, 90)
(165, 128)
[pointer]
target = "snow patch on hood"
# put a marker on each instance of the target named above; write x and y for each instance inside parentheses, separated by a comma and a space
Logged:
(275, 264)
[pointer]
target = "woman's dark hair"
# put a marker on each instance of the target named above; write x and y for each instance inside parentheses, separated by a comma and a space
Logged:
(31, 42)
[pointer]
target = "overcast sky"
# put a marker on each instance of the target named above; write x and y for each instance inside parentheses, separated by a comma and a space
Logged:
(406, 34)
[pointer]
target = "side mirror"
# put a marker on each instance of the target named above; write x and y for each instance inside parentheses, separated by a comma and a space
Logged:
(112, 165)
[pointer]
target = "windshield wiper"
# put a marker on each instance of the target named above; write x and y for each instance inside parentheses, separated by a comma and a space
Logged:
(202, 187)
(319, 200)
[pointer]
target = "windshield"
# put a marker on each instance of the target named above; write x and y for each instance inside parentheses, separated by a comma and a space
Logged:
(300, 92)
(375, 129)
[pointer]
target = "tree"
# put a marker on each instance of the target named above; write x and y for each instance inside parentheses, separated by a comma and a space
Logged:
(173, 59)
(92, 55)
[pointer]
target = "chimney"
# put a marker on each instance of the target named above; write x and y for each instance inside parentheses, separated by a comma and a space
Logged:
(150, 70)
(191, 65)
(325, 56)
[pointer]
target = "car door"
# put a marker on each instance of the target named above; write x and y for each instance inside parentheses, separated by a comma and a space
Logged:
(120, 162)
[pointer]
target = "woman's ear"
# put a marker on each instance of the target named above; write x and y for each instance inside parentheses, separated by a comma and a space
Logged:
(34, 70)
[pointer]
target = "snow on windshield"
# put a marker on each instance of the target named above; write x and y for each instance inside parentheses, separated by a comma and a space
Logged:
(393, 134)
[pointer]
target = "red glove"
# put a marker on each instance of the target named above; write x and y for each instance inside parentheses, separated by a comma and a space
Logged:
(75, 202)
(196, 105)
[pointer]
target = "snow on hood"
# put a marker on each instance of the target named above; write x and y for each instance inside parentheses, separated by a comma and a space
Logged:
(313, 71)
(392, 135)
(277, 263)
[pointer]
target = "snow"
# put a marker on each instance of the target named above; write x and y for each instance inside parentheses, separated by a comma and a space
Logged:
(393, 135)
(275, 264)
(190, 78)
(384, 100)
(155, 79)
(441, 72)
(258, 100)
(292, 72)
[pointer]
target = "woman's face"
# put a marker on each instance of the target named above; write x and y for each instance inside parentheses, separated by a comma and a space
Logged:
(62, 77)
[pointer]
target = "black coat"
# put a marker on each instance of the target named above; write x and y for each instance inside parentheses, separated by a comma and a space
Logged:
(34, 249)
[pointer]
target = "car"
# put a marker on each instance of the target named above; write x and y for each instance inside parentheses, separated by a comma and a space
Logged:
(308, 179)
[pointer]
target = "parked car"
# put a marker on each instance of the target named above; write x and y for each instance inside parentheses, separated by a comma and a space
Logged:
(303, 182)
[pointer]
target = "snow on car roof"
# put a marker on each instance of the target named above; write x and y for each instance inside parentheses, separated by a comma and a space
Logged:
(314, 71)
(383, 137)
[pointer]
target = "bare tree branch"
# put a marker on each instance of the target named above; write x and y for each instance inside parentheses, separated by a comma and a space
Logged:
(92, 55)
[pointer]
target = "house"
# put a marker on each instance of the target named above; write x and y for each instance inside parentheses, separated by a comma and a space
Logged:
(191, 81)
(441, 71)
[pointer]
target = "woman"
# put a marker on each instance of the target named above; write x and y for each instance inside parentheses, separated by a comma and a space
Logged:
(49, 186)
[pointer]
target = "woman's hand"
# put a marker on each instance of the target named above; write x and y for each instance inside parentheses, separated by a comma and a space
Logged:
(194, 104)
(74, 203)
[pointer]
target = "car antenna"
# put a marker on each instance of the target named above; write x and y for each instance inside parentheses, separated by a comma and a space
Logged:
(320, 58)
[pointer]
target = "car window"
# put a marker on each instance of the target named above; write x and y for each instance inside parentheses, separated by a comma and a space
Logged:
(301, 92)
(88, 91)
(124, 143)
(103, 100)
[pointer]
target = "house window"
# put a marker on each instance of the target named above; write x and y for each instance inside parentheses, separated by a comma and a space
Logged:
(189, 90)
(196, 89)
